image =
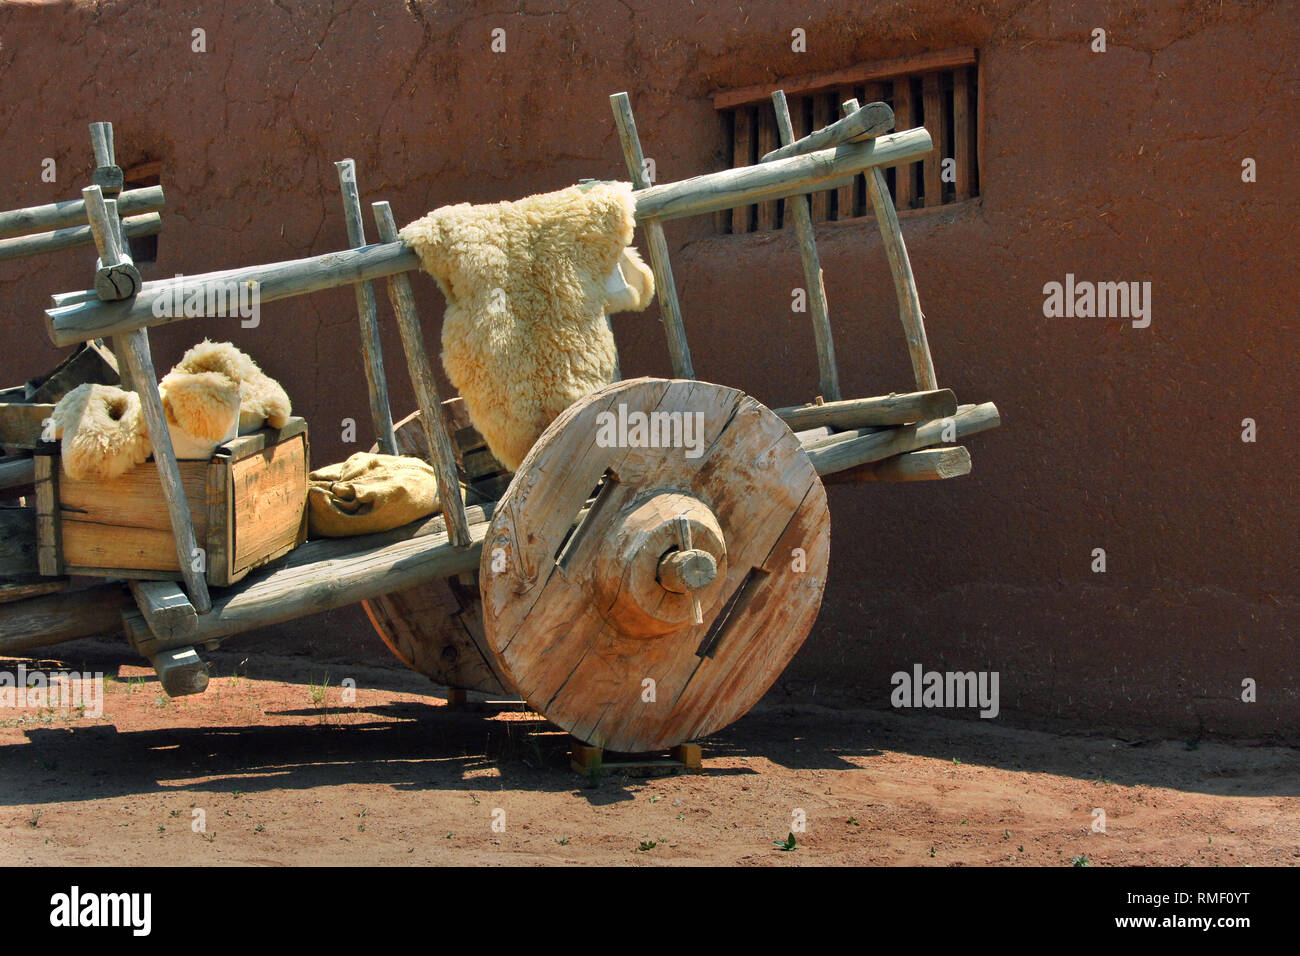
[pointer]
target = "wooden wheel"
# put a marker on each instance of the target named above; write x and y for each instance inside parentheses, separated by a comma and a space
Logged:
(596, 626)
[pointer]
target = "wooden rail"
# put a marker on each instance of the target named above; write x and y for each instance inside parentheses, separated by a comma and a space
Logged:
(80, 318)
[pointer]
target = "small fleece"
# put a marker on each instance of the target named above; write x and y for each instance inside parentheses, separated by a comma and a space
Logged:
(261, 398)
(102, 430)
(525, 334)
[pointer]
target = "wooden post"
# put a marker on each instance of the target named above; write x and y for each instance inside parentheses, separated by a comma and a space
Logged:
(828, 377)
(900, 267)
(442, 454)
(371, 351)
(116, 276)
(669, 307)
(108, 175)
(136, 366)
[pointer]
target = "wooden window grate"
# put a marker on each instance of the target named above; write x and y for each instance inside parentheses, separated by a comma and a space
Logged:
(944, 101)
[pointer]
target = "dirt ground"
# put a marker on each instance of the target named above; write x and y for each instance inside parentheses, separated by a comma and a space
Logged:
(279, 771)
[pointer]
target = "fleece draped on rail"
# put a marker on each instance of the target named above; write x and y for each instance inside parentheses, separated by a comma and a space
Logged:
(528, 286)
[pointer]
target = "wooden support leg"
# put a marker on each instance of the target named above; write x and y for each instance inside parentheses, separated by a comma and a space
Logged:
(900, 266)
(657, 245)
(457, 698)
(139, 365)
(442, 455)
(690, 755)
(180, 671)
(584, 758)
(371, 351)
(136, 366)
(828, 377)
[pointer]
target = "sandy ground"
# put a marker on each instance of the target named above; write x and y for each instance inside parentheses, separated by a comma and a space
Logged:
(278, 771)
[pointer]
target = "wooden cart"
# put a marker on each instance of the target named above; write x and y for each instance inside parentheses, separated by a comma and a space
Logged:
(637, 596)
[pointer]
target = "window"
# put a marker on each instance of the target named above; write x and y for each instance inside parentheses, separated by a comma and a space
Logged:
(143, 248)
(938, 91)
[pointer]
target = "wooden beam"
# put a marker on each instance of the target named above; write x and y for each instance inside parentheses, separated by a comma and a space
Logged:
(72, 212)
(22, 425)
(879, 70)
(442, 453)
(827, 376)
(936, 123)
(744, 139)
(666, 289)
(77, 319)
(783, 177)
(892, 409)
(904, 189)
(42, 242)
(928, 464)
(165, 608)
(332, 573)
(963, 134)
(768, 138)
(863, 124)
(372, 354)
(180, 671)
(16, 471)
(43, 621)
(850, 449)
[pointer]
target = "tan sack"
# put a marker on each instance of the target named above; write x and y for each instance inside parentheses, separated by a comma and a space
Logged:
(369, 492)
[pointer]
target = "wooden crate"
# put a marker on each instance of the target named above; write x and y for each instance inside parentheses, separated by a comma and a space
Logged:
(248, 504)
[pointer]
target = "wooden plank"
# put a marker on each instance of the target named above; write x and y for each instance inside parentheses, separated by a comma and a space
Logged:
(16, 473)
(904, 174)
(217, 512)
(119, 524)
(66, 616)
(894, 409)
(23, 590)
(767, 141)
(333, 573)
(936, 122)
(878, 70)
(269, 495)
(49, 548)
(371, 351)
(665, 288)
(72, 212)
(443, 457)
(742, 216)
(827, 375)
(900, 268)
(18, 543)
(963, 134)
(92, 363)
(929, 464)
(165, 608)
(842, 452)
(867, 122)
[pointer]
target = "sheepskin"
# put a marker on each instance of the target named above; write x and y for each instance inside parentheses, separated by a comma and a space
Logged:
(202, 411)
(262, 400)
(102, 431)
(525, 333)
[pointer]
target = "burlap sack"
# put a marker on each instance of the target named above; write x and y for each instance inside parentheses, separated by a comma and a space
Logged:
(367, 493)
